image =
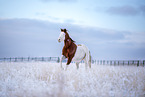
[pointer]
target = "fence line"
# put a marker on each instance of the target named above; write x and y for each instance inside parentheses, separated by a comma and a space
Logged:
(57, 59)
(119, 62)
(28, 59)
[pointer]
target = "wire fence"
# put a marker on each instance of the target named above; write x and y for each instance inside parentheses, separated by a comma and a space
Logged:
(57, 59)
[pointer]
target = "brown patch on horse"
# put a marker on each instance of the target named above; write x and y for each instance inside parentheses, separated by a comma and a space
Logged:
(69, 48)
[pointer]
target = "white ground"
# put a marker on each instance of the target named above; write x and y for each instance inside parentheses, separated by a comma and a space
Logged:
(42, 79)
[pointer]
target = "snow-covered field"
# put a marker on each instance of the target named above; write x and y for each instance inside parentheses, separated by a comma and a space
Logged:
(42, 79)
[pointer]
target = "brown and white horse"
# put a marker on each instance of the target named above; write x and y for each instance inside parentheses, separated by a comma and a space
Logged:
(73, 52)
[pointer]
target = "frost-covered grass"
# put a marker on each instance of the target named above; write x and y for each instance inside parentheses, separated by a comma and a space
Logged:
(42, 79)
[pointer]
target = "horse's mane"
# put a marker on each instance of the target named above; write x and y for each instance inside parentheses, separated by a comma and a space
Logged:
(72, 40)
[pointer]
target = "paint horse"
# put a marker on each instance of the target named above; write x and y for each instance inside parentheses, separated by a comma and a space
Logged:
(73, 52)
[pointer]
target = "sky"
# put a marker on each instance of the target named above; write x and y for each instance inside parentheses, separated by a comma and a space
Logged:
(111, 29)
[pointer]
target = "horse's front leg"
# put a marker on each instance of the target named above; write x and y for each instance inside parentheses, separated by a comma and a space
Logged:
(61, 59)
(68, 62)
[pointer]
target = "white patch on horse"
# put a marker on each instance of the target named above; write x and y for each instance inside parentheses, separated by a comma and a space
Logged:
(61, 37)
(79, 55)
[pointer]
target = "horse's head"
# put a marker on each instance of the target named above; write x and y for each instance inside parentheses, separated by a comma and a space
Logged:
(62, 35)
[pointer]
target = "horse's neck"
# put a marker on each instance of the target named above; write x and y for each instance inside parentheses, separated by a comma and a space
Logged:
(67, 43)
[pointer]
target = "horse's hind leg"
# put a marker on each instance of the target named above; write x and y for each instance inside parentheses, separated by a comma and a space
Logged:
(86, 64)
(77, 64)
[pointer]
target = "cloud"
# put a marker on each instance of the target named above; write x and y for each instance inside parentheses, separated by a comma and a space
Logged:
(97, 36)
(123, 10)
(27, 37)
(24, 37)
(142, 8)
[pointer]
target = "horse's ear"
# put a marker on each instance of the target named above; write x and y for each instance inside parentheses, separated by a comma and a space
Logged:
(64, 30)
(61, 30)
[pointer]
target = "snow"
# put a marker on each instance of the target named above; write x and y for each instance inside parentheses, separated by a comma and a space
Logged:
(42, 79)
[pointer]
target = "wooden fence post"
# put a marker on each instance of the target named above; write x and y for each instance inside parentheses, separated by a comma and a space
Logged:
(110, 62)
(4, 59)
(58, 60)
(114, 62)
(103, 62)
(100, 62)
(143, 62)
(138, 63)
(10, 59)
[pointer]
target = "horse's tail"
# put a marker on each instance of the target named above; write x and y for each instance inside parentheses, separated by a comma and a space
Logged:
(88, 56)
